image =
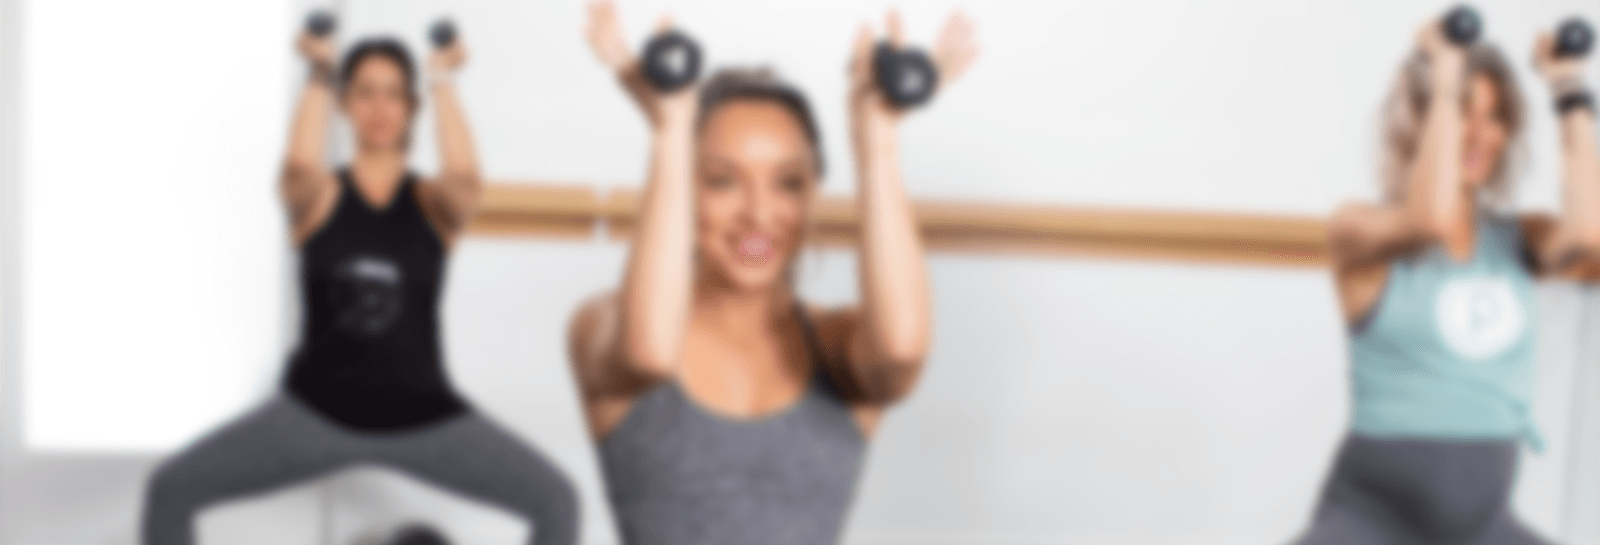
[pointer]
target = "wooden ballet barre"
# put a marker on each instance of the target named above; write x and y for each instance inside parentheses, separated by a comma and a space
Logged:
(577, 211)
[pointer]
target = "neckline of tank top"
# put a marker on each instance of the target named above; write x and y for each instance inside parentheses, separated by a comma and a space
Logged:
(807, 392)
(347, 178)
(812, 387)
(1482, 224)
(1482, 219)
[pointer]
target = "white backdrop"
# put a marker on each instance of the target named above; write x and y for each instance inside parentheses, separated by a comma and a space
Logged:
(1067, 400)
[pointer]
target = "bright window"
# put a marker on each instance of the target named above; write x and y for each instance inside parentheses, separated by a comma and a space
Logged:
(153, 250)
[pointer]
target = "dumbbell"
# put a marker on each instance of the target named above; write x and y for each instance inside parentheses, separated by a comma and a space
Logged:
(1462, 25)
(906, 76)
(1573, 38)
(443, 33)
(417, 534)
(671, 60)
(320, 23)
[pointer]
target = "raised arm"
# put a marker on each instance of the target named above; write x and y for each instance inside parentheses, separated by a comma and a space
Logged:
(453, 199)
(307, 185)
(885, 340)
(1435, 207)
(1575, 235)
(640, 330)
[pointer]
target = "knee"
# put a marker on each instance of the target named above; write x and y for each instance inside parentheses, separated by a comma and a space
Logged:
(563, 498)
(173, 487)
(551, 501)
(165, 484)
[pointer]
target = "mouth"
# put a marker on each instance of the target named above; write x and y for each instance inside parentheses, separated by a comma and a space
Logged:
(755, 249)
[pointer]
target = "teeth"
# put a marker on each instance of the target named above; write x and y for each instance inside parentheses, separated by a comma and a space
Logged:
(754, 246)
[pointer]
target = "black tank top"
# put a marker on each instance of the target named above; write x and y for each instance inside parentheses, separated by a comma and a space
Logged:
(369, 353)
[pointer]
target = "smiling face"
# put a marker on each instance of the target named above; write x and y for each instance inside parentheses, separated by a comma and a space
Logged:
(378, 102)
(756, 175)
(1484, 132)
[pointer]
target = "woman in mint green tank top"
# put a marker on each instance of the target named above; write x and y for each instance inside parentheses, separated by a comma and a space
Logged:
(1436, 284)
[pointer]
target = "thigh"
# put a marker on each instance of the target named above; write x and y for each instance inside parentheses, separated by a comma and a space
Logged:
(1339, 525)
(1505, 529)
(1349, 512)
(1441, 492)
(470, 455)
(277, 444)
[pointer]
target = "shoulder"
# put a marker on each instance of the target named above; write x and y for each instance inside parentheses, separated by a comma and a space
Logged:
(591, 318)
(1354, 212)
(831, 323)
(1355, 220)
(1532, 225)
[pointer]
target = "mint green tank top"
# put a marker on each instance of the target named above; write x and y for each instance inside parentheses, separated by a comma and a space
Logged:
(1448, 352)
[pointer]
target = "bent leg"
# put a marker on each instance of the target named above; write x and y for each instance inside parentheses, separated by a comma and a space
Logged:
(471, 456)
(1505, 529)
(1338, 525)
(1349, 513)
(277, 444)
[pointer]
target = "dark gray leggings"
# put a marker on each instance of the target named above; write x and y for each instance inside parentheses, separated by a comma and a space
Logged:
(1408, 492)
(286, 442)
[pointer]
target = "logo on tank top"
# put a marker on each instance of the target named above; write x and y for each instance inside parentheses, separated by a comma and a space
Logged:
(367, 295)
(1479, 317)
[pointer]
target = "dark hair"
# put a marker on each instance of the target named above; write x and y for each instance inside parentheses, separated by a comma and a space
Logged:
(388, 48)
(759, 84)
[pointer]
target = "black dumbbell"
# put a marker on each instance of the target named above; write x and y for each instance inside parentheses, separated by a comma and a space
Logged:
(906, 76)
(418, 534)
(320, 23)
(1573, 38)
(671, 60)
(443, 33)
(1462, 25)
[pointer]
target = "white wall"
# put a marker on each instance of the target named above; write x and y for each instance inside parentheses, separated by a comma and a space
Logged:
(1067, 400)
(150, 235)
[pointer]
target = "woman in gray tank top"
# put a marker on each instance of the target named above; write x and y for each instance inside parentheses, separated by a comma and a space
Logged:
(726, 411)
(1435, 284)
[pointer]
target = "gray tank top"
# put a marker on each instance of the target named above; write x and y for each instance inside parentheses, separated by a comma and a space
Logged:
(679, 475)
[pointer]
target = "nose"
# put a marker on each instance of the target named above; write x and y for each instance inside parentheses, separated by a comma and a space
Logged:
(760, 203)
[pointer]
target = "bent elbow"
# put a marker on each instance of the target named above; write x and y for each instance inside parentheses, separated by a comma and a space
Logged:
(904, 354)
(296, 169)
(650, 358)
(1587, 239)
(462, 176)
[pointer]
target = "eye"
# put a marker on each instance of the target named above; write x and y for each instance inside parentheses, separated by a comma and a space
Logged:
(719, 181)
(793, 183)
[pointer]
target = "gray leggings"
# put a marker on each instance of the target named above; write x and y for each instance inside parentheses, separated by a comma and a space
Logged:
(286, 442)
(1408, 492)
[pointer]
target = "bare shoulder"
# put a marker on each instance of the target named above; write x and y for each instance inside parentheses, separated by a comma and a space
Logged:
(1362, 235)
(1539, 235)
(832, 319)
(589, 324)
(1537, 227)
(1353, 215)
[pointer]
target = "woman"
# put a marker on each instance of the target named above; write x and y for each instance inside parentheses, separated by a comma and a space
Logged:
(726, 411)
(367, 383)
(1436, 287)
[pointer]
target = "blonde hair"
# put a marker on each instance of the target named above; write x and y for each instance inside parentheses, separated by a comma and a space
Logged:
(1405, 112)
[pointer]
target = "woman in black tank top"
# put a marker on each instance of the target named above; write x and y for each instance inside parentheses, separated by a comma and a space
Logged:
(367, 384)
(725, 410)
